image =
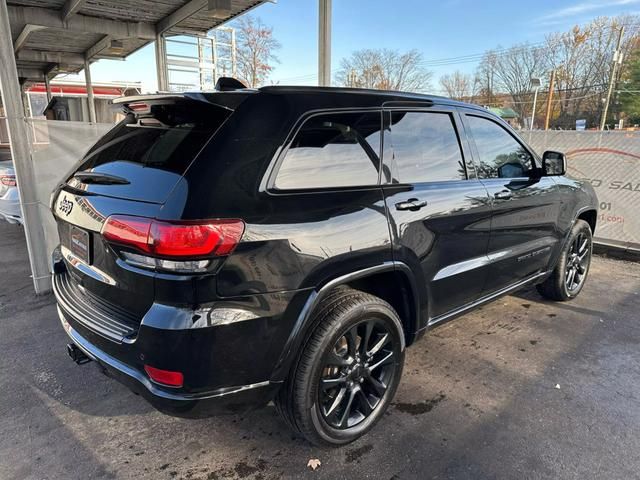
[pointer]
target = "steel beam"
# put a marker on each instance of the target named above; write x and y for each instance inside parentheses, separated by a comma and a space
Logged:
(90, 99)
(161, 64)
(184, 12)
(47, 86)
(100, 46)
(50, 57)
(20, 141)
(24, 34)
(28, 73)
(71, 7)
(80, 23)
(324, 43)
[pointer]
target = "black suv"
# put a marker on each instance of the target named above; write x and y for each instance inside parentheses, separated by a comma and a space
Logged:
(222, 250)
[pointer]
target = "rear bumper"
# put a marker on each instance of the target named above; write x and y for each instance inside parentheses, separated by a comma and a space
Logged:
(219, 401)
(227, 350)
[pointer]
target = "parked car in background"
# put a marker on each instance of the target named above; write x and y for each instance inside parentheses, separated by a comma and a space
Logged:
(9, 199)
(221, 250)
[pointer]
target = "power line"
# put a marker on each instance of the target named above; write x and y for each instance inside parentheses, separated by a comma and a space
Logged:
(473, 57)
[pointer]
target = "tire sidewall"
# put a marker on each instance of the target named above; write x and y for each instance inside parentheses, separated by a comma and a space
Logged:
(325, 432)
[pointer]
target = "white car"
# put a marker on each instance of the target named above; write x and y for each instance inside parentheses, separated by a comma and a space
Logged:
(9, 199)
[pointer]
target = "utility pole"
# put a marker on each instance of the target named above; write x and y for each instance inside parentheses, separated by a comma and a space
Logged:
(91, 102)
(324, 43)
(535, 83)
(617, 60)
(552, 82)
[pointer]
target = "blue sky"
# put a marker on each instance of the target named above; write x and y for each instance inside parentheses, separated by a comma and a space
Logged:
(450, 28)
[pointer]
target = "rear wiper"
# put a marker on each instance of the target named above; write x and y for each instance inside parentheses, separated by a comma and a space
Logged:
(100, 178)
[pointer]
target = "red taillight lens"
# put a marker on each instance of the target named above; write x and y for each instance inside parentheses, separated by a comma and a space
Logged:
(8, 180)
(165, 377)
(175, 240)
(130, 231)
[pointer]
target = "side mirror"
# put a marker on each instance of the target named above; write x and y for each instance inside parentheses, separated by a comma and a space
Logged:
(554, 163)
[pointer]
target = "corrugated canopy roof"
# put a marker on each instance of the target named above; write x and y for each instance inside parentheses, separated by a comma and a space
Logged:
(55, 36)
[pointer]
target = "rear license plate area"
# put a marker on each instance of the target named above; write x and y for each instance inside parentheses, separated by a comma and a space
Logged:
(80, 244)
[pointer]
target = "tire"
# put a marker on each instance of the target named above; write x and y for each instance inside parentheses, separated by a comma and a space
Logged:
(336, 357)
(562, 284)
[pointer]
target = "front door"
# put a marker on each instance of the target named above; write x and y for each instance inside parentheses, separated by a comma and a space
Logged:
(439, 211)
(525, 205)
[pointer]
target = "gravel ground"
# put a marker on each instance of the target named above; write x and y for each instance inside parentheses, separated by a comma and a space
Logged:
(522, 388)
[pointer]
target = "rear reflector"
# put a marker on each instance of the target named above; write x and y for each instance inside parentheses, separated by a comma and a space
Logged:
(165, 377)
(8, 180)
(174, 240)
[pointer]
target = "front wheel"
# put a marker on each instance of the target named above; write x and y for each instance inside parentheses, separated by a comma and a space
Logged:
(348, 372)
(569, 276)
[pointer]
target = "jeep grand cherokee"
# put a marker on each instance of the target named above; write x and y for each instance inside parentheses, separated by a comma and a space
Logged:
(222, 250)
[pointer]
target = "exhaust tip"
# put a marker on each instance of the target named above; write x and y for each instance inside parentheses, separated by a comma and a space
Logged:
(77, 355)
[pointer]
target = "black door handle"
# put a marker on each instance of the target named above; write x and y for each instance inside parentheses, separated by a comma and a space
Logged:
(503, 195)
(413, 204)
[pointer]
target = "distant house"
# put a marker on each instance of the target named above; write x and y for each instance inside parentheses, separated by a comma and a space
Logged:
(509, 115)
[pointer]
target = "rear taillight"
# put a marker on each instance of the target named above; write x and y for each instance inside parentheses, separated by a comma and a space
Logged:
(165, 377)
(173, 241)
(8, 180)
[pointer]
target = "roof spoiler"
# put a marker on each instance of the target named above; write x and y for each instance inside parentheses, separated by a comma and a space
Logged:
(224, 84)
(141, 103)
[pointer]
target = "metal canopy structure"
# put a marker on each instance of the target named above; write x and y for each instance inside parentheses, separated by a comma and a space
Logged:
(57, 36)
(42, 38)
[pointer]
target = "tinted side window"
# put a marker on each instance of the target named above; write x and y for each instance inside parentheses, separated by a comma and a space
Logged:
(501, 155)
(333, 150)
(425, 148)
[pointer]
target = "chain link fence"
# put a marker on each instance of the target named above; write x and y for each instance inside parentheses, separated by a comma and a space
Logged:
(610, 161)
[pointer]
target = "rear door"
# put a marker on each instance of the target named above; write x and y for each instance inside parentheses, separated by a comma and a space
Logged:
(525, 205)
(439, 212)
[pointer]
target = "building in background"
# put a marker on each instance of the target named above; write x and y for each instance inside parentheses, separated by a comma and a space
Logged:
(68, 102)
(509, 115)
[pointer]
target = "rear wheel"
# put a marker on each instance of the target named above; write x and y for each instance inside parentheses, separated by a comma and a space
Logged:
(348, 372)
(569, 276)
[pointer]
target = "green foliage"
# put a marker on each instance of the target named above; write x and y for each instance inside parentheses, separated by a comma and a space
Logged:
(629, 88)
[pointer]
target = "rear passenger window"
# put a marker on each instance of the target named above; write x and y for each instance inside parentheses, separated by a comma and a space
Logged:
(333, 150)
(425, 148)
(501, 155)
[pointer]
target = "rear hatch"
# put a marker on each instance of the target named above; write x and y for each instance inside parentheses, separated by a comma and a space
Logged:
(130, 171)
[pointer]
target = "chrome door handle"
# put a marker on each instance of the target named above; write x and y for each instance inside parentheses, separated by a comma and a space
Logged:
(413, 204)
(503, 195)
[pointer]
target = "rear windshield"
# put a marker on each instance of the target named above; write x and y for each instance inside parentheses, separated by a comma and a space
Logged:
(165, 137)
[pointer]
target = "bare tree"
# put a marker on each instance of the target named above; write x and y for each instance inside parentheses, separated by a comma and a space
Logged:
(255, 51)
(514, 69)
(384, 70)
(485, 80)
(458, 85)
(582, 60)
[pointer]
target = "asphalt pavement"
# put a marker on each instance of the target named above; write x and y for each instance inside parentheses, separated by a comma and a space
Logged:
(522, 388)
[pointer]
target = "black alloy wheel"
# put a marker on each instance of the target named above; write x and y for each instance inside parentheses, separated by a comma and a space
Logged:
(577, 264)
(357, 373)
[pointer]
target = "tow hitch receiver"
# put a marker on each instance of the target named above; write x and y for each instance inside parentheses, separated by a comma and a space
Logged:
(77, 355)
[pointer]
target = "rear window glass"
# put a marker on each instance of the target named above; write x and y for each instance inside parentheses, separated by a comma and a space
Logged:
(167, 138)
(333, 150)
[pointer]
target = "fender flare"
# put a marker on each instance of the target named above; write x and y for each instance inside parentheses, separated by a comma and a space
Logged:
(304, 324)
